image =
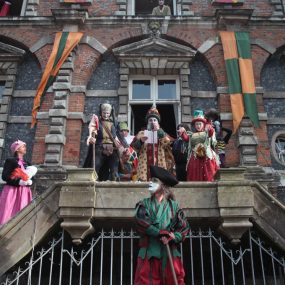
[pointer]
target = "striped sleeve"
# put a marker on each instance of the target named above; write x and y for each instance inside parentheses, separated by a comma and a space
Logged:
(143, 222)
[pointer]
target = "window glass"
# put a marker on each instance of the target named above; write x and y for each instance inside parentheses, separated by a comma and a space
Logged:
(166, 89)
(2, 87)
(280, 148)
(141, 90)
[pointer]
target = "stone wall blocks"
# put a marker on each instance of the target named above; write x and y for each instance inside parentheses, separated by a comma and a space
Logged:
(57, 121)
(60, 95)
(53, 148)
(123, 91)
(61, 86)
(57, 113)
(4, 109)
(56, 130)
(185, 100)
(3, 117)
(52, 158)
(185, 92)
(122, 7)
(68, 65)
(64, 72)
(60, 104)
(124, 70)
(7, 91)
(184, 71)
(120, 13)
(123, 100)
(61, 78)
(55, 139)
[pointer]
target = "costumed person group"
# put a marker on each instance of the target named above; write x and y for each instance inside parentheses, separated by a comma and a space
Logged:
(155, 153)
(203, 162)
(161, 224)
(17, 173)
(120, 156)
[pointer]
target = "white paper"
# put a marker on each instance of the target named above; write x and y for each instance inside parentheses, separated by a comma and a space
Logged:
(151, 136)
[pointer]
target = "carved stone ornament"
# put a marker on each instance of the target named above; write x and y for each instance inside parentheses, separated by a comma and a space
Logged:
(154, 28)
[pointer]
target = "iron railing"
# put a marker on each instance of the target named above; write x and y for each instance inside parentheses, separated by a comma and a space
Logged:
(110, 258)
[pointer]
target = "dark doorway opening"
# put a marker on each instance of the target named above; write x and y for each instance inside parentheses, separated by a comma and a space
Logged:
(167, 114)
(145, 7)
(15, 7)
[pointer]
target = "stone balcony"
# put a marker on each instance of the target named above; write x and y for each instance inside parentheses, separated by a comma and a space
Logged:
(230, 205)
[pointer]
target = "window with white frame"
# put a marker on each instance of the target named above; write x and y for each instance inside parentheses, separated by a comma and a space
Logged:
(153, 89)
(161, 91)
(139, 7)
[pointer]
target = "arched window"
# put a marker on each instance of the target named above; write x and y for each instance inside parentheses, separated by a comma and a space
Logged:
(278, 147)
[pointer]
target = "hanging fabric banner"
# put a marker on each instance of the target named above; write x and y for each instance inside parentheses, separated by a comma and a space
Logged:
(64, 43)
(239, 70)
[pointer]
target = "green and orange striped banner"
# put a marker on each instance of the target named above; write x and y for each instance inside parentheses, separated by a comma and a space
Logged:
(237, 55)
(64, 43)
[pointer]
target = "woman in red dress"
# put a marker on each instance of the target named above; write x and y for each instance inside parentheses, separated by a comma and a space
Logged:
(203, 162)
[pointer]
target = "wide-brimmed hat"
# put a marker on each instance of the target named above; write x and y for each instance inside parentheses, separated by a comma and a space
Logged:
(163, 175)
(152, 112)
(198, 116)
(16, 145)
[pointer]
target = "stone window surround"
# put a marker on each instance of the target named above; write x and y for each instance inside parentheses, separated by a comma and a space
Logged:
(9, 78)
(273, 146)
(279, 7)
(184, 92)
(180, 8)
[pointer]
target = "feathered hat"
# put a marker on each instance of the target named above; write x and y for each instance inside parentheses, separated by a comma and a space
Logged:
(152, 112)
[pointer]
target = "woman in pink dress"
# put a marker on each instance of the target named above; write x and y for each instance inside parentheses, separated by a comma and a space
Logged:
(16, 194)
(203, 162)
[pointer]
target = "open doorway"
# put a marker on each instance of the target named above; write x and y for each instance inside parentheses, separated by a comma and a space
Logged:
(145, 7)
(167, 114)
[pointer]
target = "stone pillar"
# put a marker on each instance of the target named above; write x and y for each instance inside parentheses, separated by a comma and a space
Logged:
(123, 93)
(31, 8)
(278, 9)
(55, 139)
(77, 204)
(185, 94)
(185, 8)
(236, 202)
(247, 143)
(10, 69)
(122, 5)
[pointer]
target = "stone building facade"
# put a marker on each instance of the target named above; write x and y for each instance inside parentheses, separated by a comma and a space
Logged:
(123, 48)
(106, 62)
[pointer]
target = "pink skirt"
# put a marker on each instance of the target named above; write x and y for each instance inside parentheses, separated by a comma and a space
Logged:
(12, 200)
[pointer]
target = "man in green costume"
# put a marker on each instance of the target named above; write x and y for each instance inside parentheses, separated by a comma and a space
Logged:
(161, 223)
